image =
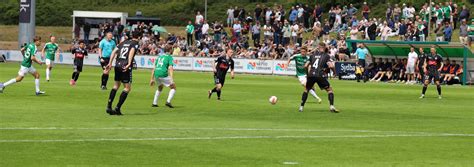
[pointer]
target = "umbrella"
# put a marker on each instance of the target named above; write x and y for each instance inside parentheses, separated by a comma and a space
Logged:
(158, 29)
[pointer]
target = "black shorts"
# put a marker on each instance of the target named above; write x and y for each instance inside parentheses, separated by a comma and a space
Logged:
(322, 83)
(432, 74)
(219, 79)
(105, 63)
(78, 63)
(362, 63)
(421, 70)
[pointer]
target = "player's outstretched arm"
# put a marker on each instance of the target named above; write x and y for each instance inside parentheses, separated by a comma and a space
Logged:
(152, 78)
(33, 58)
(58, 51)
(42, 52)
(171, 72)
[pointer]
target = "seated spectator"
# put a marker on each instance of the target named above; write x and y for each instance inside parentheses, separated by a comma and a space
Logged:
(452, 73)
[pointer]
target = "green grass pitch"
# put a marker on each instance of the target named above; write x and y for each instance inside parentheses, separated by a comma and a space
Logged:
(380, 124)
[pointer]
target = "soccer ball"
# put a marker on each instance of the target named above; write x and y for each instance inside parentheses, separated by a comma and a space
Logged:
(273, 100)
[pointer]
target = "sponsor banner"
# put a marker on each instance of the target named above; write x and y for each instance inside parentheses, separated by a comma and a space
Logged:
(25, 11)
(346, 70)
(281, 67)
(183, 63)
(203, 64)
(257, 66)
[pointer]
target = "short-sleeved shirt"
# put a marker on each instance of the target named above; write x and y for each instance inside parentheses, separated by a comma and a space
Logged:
(318, 63)
(124, 52)
(434, 61)
(30, 50)
(471, 30)
(300, 61)
(412, 56)
(421, 59)
(50, 50)
(107, 47)
(79, 53)
(223, 65)
(362, 53)
(162, 63)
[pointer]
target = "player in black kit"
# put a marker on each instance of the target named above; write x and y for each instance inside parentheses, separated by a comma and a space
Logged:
(433, 64)
(420, 63)
(123, 71)
(79, 54)
(318, 64)
(222, 65)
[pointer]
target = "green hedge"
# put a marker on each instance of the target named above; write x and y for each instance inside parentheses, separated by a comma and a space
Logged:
(171, 12)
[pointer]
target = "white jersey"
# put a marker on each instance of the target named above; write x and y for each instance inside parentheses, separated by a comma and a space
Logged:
(412, 56)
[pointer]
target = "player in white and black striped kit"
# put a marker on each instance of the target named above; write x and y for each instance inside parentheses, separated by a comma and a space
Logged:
(318, 64)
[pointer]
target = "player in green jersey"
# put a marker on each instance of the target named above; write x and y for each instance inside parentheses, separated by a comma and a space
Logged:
(50, 51)
(300, 61)
(162, 74)
(26, 66)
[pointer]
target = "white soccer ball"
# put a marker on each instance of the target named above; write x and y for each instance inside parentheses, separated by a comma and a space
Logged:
(273, 100)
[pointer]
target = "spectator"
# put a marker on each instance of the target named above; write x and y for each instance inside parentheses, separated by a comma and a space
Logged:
(256, 34)
(77, 31)
(258, 12)
(205, 29)
(189, 32)
(293, 15)
(463, 33)
(365, 11)
(412, 58)
(237, 28)
(351, 11)
(439, 33)
(230, 16)
(199, 18)
(353, 34)
(396, 13)
(87, 30)
(470, 34)
(372, 30)
(286, 33)
(294, 32)
(464, 13)
(448, 32)
(385, 31)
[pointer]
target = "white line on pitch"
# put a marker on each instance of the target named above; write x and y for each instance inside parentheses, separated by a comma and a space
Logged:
(215, 129)
(229, 137)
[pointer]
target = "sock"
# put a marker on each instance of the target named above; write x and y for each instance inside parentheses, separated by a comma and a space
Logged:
(170, 95)
(73, 75)
(331, 98)
(439, 89)
(122, 99)
(424, 90)
(47, 73)
(214, 90)
(155, 99)
(77, 76)
(111, 97)
(218, 93)
(37, 85)
(105, 78)
(11, 81)
(313, 93)
(304, 97)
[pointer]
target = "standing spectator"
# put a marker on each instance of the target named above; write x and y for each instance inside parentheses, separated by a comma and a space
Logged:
(293, 15)
(448, 32)
(396, 13)
(120, 28)
(87, 30)
(470, 30)
(306, 16)
(365, 11)
(464, 13)
(389, 12)
(258, 12)
(402, 30)
(351, 11)
(237, 28)
(197, 32)
(286, 33)
(277, 33)
(236, 13)
(294, 32)
(205, 29)
(439, 31)
(268, 16)
(189, 32)
(454, 17)
(463, 32)
(411, 12)
(354, 31)
(385, 31)
(77, 31)
(267, 32)
(300, 13)
(199, 18)
(230, 16)
(242, 14)
(447, 12)
(256, 34)
(217, 32)
(421, 29)
(406, 11)
(299, 35)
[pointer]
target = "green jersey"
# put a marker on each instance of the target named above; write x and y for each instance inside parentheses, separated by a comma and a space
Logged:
(471, 30)
(50, 50)
(190, 29)
(300, 61)
(162, 64)
(447, 12)
(30, 50)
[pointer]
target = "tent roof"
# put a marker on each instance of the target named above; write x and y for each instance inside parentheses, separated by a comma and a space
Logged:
(99, 14)
(402, 48)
